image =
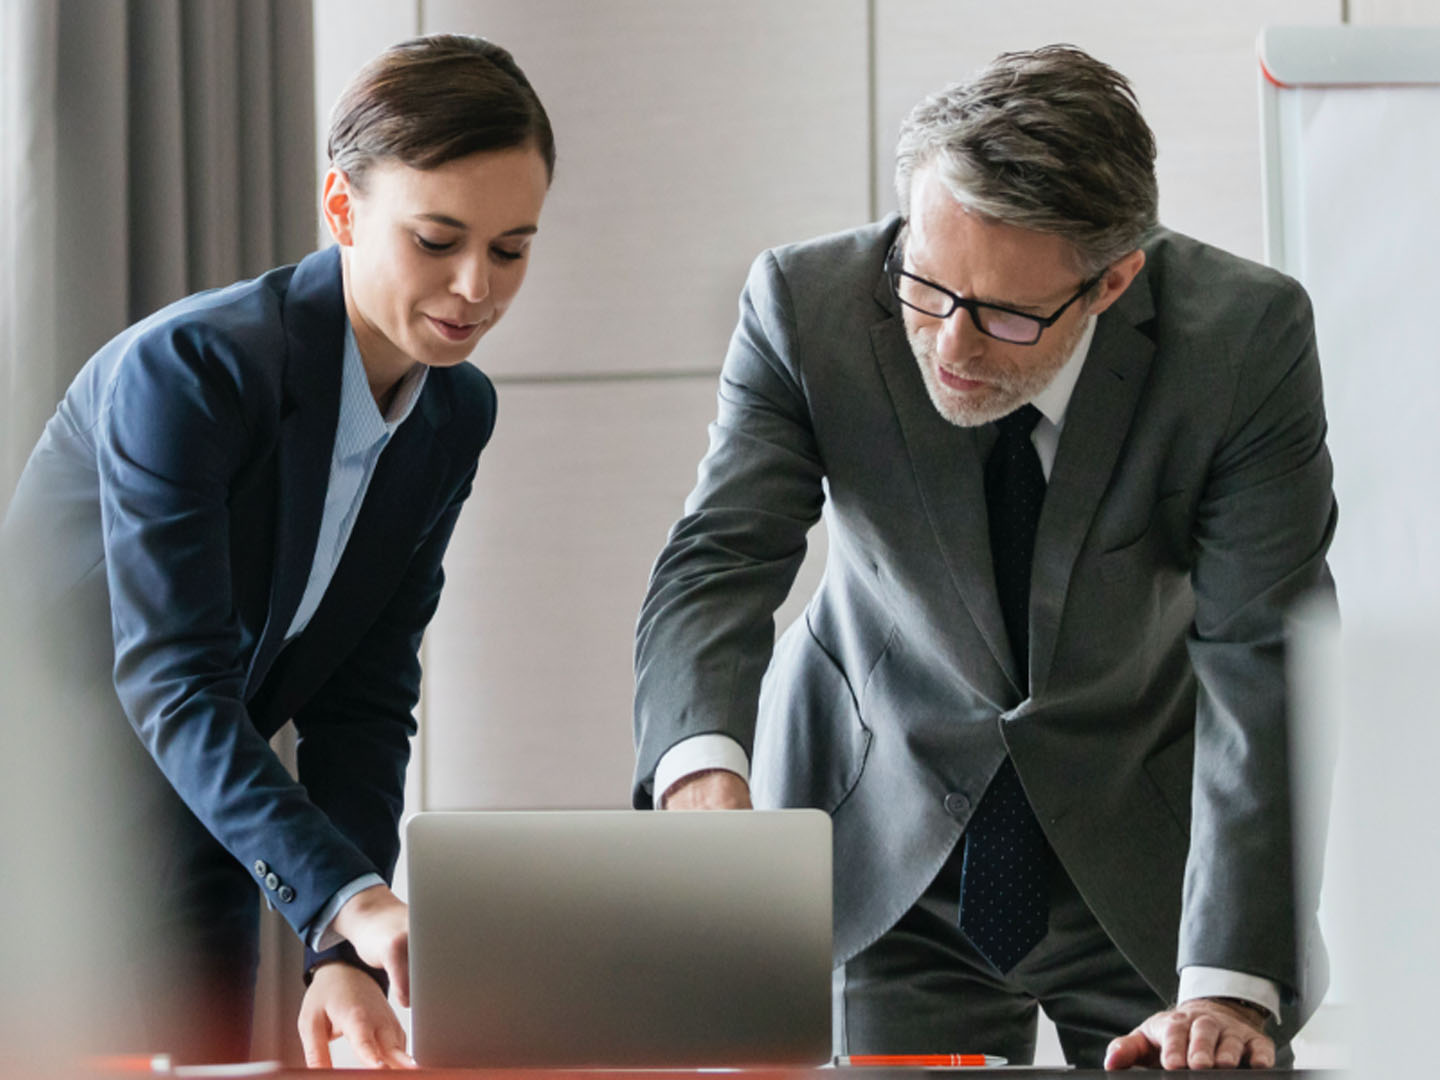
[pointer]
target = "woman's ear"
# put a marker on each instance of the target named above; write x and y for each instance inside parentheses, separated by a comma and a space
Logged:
(337, 203)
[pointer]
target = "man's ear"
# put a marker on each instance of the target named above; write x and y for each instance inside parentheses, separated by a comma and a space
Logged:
(337, 203)
(1116, 280)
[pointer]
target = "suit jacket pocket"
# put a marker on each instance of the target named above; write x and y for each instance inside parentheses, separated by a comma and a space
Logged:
(1171, 770)
(810, 743)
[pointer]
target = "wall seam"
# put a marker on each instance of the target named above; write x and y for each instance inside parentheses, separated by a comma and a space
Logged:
(872, 94)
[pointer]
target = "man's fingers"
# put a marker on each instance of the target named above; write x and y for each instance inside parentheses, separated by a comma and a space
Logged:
(1174, 1043)
(315, 1039)
(1229, 1051)
(1204, 1036)
(1127, 1050)
(1260, 1050)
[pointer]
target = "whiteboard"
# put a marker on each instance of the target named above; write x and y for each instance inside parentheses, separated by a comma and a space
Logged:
(1350, 118)
(1350, 123)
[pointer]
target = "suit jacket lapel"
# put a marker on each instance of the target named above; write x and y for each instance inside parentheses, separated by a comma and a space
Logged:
(1096, 424)
(314, 316)
(948, 464)
(392, 518)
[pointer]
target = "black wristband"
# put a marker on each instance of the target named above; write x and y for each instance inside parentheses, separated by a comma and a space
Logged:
(345, 953)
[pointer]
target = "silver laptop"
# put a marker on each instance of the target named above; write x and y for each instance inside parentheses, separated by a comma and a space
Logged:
(620, 939)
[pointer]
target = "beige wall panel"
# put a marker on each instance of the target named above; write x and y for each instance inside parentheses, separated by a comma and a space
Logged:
(348, 33)
(528, 675)
(1193, 67)
(1395, 12)
(691, 136)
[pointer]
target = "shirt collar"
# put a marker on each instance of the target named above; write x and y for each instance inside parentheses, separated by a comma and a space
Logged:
(361, 425)
(1054, 400)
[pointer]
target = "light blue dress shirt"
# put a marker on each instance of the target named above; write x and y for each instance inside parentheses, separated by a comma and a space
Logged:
(361, 435)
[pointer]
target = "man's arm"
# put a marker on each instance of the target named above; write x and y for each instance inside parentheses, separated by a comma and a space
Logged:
(1263, 527)
(715, 789)
(706, 629)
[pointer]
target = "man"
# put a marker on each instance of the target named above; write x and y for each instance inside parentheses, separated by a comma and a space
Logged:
(1074, 474)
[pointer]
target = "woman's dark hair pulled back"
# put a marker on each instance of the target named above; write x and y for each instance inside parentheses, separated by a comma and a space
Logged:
(434, 99)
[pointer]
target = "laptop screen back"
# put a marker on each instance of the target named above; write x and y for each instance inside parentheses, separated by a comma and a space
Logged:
(620, 939)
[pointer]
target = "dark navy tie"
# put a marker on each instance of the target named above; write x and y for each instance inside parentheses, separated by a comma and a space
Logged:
(1005, 878)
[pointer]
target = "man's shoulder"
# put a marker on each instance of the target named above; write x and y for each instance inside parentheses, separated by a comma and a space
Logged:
(865, 245)
(1190, 279)
(832, 270)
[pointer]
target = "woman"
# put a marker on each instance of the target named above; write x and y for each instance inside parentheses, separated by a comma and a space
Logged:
(179, 533)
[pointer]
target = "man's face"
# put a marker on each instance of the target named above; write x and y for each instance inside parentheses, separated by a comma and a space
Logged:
(974, 379)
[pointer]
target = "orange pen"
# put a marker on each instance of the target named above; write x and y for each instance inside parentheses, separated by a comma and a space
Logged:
(934, 1061)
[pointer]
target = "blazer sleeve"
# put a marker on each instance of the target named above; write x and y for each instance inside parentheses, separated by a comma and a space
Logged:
(354, 734)
(706, 628)
(174, 430)
(1264, 524)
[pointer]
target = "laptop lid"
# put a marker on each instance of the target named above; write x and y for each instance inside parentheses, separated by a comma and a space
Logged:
(620, 939)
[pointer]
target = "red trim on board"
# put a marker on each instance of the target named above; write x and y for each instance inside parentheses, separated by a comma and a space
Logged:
(1273, 81)
(1271, 78)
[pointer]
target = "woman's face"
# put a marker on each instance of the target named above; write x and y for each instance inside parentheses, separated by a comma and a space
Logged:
(433, 257)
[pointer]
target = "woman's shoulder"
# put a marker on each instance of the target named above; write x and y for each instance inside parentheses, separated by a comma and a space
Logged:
(463, 406)
(222, 350)
(245, 330)
(249, 308)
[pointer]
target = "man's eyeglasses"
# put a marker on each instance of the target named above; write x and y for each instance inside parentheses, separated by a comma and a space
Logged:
(993, 320)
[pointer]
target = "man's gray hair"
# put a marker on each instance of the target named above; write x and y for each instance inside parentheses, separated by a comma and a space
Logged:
(1050, 140)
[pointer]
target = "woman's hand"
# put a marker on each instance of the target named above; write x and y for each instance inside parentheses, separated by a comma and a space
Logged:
(345, 1002)
(377, 923)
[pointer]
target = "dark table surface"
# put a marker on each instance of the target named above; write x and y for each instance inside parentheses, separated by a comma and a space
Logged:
(821, 1074)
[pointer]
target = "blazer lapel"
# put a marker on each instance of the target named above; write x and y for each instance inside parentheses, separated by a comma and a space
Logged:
(1096, 424)
(948, 464)
(392, 519)
(314, 318)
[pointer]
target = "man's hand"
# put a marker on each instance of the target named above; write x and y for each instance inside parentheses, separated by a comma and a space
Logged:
(1199, 1034)
(713, 789)
(377, 923)
(344, 1001)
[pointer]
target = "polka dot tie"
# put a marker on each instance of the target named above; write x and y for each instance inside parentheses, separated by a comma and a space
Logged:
(1005, 877)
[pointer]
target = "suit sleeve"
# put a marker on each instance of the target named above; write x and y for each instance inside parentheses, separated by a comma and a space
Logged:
(1264, 524)
(173, 433)
(354, 735)
(706, 629)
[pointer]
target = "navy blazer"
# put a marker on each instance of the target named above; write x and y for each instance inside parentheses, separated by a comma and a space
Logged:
(180, 486)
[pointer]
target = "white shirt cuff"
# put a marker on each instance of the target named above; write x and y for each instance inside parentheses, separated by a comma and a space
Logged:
(318, 934)
(698, 753)
(1199, 982)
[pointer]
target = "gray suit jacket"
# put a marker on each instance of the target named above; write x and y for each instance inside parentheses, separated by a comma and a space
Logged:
(1189, 507)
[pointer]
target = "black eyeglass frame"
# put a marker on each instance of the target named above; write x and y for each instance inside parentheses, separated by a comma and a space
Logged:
(894, 271)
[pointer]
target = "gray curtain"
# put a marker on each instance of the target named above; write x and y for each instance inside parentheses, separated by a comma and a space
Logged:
(148, 149)
(159, 147)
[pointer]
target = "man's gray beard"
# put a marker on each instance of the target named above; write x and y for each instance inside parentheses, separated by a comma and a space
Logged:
(1010, 392)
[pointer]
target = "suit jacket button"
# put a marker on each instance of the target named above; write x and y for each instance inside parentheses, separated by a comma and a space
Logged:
(286, 894)
(956, 804)
(271, 881)
(260, 868)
